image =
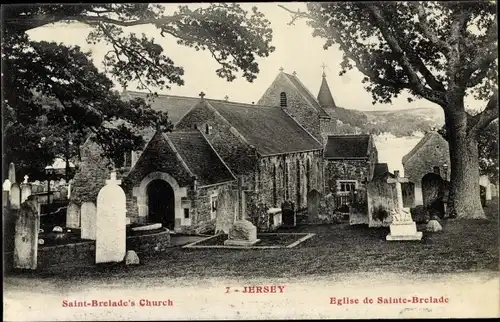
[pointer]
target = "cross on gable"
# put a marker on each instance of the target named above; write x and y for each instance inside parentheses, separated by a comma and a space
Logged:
(323, 66)
(281, 69)
(113, 179)
(294, 73)
(226, 97)
(202, 95)
(26, 178)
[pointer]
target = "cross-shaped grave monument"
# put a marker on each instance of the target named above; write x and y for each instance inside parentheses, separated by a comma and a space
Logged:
(402, 226)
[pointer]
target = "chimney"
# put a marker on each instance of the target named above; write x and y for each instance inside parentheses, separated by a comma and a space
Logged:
(437, 170)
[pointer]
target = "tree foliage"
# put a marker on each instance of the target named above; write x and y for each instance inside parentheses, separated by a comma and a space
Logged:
(52, 88)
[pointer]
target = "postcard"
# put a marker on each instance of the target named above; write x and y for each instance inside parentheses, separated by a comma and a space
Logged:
(277, 160)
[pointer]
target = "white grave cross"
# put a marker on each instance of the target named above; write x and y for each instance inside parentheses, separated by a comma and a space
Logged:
(113, 179)
(26, 179)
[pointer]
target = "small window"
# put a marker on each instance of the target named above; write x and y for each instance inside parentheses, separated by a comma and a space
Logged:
(207, 129)
(347, 185)
(195, 127)
(283, 102)
(213, 207)
(186, 213)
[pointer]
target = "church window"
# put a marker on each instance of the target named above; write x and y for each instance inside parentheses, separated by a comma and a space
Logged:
(346, 185)
(308, 175)
(186, 213)
(298, 184)
(287, 192)
(207, 129)
(283, 102)
(213, 206)
(275, 193)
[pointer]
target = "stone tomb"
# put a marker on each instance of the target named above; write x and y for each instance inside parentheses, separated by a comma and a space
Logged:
(88, 215)
(110, 225)
(242, 233)
(73, 216)
(434, 193)
(402, 226)
(26, 235)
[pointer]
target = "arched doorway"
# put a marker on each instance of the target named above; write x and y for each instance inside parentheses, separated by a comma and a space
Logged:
(161, 203)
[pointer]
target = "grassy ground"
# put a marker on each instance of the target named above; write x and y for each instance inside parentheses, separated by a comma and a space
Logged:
(463, 246)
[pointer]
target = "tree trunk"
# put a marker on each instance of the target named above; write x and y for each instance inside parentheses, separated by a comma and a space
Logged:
(464, 198)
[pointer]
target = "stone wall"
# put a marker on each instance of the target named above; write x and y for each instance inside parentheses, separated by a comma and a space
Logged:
(297, 106)
(328, 127)
(93, 170)
(433, 153)
(83, 254)
(227, 205)
(264, 177)
(238, 156)
(345, 170)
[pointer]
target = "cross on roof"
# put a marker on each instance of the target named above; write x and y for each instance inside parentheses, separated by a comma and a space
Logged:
(323, 66)
(226, 97)
(202, 95)
(281, 69)
(294, 73)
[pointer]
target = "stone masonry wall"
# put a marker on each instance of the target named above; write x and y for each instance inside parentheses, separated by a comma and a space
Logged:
(345, 170)
(433, 153)
(297, 106)
(264, 177)
(227, 205)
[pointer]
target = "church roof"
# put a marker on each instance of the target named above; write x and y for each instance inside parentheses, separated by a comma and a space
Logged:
(175, 106)
(347, 146)
(306, 94)
(200, 157)
(269, 129)
(325, 98)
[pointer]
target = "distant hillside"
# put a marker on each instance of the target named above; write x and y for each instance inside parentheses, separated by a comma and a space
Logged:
(397, 122)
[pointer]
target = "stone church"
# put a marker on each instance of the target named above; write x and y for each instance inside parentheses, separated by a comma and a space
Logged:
(223, 156)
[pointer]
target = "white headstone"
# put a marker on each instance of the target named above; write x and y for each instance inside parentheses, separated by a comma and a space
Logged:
(88, 219)
(6, 185)
(15, 196)
(26, 236)
(110, 224)
(12, 172)
(25, 191)
(73, 216)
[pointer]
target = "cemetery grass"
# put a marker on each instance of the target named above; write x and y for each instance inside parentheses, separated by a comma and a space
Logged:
(463, 246)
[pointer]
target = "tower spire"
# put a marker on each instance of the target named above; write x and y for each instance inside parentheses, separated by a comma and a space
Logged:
(325, 97)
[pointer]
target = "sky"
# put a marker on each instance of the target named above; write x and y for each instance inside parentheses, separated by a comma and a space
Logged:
(296, 50)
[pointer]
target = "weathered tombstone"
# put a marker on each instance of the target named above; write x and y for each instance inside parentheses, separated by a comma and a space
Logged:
(402, 226)
(408, 194)
(381, 198)
(313, 198)
(494, 192)
(15, 196)
(358, 211)
(35, 188)
(25, 191)
(88, 220)
(6, 185)
(482, 191)
(12, 173)
(288, 214)
(433, 187)
(6, 193)
(73, 215)
(26, 236)
(110, 223)
(242, 233)
(63, 193)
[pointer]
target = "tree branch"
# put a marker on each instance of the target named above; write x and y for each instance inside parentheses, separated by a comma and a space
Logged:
(416, 83)
(427, 30)
(490, 113)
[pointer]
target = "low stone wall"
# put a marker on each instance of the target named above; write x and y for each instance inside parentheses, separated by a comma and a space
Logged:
(83, 253)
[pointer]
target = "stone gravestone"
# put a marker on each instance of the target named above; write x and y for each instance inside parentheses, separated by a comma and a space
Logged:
(15, 196)
(408, 194)
(88, 219)
(313, 198)
(381, 198)
(12, 173)
(6, 193)
(63, 193)
(288, 214)
(110, 224)
(433, 187)
(482, 194)
(402, 226)
(358, 212)
(25, 191)
(242, 233)
(73, 216)
(26, 236)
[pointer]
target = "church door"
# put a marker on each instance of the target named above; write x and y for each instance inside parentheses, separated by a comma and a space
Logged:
(161, 206)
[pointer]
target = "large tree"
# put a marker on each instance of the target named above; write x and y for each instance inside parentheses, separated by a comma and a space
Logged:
(439, 51)
(50, 89)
